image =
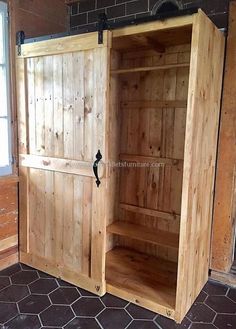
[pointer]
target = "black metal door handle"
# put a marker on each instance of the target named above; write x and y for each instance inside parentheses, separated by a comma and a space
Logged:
(95, 167)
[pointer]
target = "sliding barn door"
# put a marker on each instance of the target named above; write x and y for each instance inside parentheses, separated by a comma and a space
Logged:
(62, 111)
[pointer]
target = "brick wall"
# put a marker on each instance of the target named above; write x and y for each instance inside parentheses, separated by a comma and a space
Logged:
(85, 12)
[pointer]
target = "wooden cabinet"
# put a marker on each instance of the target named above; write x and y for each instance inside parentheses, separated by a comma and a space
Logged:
(148, 98)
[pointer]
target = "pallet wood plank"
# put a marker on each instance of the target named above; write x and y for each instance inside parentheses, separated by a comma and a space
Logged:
(199, 162)
(142, 233)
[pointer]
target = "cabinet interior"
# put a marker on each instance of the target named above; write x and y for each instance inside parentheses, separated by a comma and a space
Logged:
(148, 106)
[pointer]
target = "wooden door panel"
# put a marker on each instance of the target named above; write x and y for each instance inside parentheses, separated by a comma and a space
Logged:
(63, 118)
(61, 105)
(60, 208)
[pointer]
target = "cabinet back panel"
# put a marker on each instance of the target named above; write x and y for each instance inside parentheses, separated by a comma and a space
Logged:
(151, 131)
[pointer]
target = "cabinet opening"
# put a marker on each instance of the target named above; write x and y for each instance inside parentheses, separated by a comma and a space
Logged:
(148, 105)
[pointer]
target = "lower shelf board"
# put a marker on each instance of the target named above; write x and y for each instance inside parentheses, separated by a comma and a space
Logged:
(142, 279)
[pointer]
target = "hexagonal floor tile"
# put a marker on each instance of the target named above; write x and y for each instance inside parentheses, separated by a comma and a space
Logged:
(56, 315)
(62, 283)
(26, 267)
(24, 277)
(43, 286)
(45, 275)
(66, 295)
(24, 321)
(50, 328)
(215, 289)
(165, 323)
(86, 293)
(88, 306)
(221, 304)
(225, 321)
(11, 270)
(14, 293)
(7, 312)
(201, 313)
(112, 301)
(34, 304)
(203, 326)
(142, 324)
(201, 297)
(114, 318)
(83, 323)
(140, 313)
(4, 282)
(232, 294)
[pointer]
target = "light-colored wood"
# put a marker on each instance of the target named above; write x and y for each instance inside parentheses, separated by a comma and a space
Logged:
(143, 41)
(113, 146)
(149, 160)
(100, 128)
(155, 104)
(59, 271)
(149, 212)
(199, 161)
(138, 232)
(166, 24)
(83, 168)
(150, 68)
(63, 45)
(22, 148)
(63, 109)
(222, 247)
(144, 280)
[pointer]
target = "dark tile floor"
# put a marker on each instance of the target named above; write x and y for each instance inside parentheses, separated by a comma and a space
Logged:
(30, 299)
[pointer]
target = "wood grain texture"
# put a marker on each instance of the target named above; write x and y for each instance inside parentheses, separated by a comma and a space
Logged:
(144, 280)
(35, 18)
(141, 233)
(63, 119)
(222, 247)
(152, 143)
(63, 45)
(199, 162)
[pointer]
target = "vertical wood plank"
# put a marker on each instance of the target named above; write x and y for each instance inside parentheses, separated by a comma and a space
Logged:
(21, 67)
(68, 94)
(79, 133)
(40, 114)
(58, 106)
(48, 105)
(199, 161)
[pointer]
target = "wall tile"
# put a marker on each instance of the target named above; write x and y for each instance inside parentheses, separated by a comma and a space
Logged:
(120, 10)
(87, 5)
(74, 9)
(93, 15)
(105, 3)
(80, 19)
(116, 11)
(138, 6)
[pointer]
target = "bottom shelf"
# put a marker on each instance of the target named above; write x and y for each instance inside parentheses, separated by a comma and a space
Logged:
(142, 279)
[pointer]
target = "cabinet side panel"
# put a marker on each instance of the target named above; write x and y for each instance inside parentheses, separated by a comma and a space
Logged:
(199, 162)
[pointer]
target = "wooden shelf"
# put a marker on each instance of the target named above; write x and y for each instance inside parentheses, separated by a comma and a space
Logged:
(150, 68)
(178, 104)
(145, 280)
(148, 159)
(149, 212)
(142, 233)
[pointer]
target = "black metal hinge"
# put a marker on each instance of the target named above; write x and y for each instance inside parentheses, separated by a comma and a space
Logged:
(102, 25)
(20, 40)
